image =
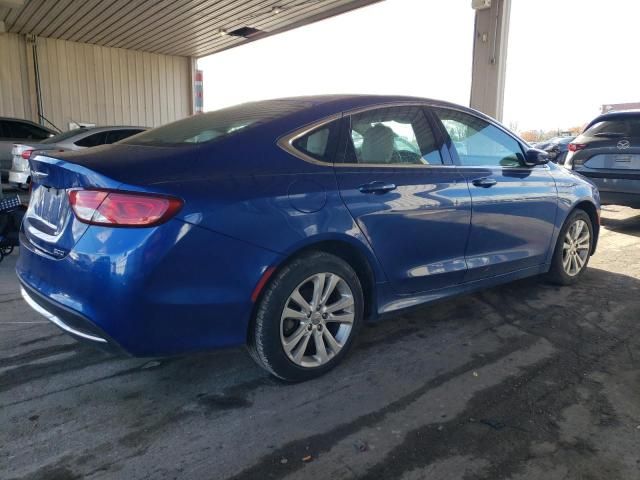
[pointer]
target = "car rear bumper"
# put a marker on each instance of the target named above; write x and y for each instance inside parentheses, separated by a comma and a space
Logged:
(616, 190)
(159, 291)
(620, 198)
(71, 322)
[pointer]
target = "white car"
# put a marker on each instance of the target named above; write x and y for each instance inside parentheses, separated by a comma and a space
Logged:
(76, 139)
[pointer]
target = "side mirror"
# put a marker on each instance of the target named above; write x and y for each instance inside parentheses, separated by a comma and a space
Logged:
(534, 157)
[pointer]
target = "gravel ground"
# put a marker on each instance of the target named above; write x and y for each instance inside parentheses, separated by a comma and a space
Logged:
(524, 381)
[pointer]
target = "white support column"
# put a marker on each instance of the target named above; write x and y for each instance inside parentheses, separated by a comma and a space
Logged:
(491, 36)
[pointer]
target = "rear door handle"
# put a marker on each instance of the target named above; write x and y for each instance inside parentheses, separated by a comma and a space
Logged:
(484, 182)
(377, 187)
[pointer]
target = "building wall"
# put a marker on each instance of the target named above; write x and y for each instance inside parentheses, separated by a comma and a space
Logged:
(101, 85)
(14, 82)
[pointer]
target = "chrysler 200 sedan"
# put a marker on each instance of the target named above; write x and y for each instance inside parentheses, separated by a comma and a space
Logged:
(284, 225)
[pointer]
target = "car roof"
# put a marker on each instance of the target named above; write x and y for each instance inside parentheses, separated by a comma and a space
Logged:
(358, 99)
(24, 120)
(324, 105)
(114, 127)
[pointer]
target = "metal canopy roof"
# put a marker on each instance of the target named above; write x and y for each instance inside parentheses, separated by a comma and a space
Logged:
(174, 27)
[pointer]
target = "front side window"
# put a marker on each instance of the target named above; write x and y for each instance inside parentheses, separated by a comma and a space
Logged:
(478, 143)
(392, 136)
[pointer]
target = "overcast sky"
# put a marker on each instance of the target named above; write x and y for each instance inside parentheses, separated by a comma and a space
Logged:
(566, 58)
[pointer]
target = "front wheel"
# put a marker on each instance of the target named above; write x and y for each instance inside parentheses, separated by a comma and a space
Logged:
(573, 249)
(307, 317)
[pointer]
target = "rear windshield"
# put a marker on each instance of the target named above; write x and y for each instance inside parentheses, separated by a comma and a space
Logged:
(616, 127)
(64, 135)
(211, 126)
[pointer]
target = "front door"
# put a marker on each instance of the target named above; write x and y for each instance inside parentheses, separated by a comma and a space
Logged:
(514, 206)
(409, 201)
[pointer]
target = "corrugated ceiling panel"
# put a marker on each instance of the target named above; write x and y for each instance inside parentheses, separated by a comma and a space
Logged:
(208, 24)
(188, 27)
(268, 23)
(192, 20)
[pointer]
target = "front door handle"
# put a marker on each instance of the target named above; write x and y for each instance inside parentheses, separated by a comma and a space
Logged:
(485, 182)
(377, 187)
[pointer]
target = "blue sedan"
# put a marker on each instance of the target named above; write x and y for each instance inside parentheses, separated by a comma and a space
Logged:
(285, 224)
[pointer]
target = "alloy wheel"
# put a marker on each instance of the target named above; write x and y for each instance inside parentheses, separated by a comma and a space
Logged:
(317, 320)
(576, 247)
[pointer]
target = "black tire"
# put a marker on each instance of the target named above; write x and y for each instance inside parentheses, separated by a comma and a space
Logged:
(264, 340)
(557, 273)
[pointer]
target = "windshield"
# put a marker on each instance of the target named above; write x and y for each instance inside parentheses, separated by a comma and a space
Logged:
(214, 125)
(64, 135)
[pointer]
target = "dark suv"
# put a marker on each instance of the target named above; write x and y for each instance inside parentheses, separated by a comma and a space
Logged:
(608, 152)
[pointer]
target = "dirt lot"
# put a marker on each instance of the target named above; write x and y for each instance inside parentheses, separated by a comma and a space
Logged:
(524, 381)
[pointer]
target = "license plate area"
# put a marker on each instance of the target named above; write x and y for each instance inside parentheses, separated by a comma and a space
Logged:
(47, 209)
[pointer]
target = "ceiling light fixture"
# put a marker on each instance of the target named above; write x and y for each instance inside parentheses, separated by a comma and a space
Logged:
(222, 32)
(276, 10)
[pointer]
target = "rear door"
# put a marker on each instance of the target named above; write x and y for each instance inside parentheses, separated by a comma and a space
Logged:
(412, 205)
(514, 206)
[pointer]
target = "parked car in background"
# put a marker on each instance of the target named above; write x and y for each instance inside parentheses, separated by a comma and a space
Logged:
(558, 149)
(608, 153)
(76, 139)
(15, 130)
(285, 224)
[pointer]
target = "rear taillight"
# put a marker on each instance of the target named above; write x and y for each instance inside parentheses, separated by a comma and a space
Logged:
(574, 147)
(26, 154)
(122, 209)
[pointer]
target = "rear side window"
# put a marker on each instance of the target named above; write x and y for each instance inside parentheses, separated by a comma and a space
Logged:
(92, 140)
(211, 126)
(392, 136)
(320, 143)
(114, 136)
(616, 127)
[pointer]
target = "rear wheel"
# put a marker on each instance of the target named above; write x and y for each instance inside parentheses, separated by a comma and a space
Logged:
(573, 249)
(307, 317)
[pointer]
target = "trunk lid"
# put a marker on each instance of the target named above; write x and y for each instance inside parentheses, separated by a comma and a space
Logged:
(619, 155)
(49, 224)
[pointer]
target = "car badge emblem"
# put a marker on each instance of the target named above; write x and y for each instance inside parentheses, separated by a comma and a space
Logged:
(623, 144)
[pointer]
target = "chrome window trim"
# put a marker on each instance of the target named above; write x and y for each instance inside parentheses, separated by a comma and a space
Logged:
(286, 141)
